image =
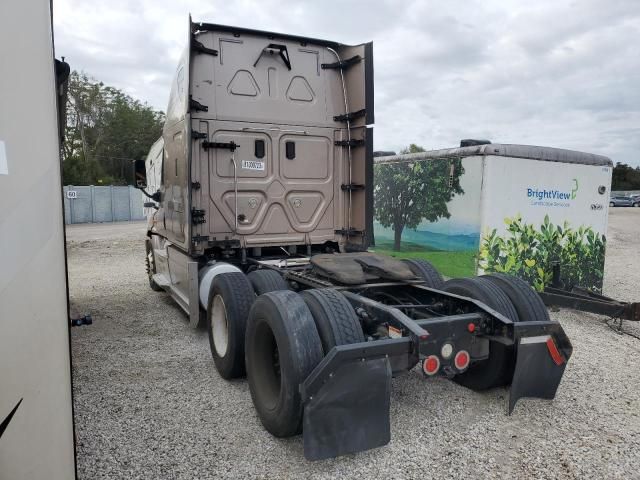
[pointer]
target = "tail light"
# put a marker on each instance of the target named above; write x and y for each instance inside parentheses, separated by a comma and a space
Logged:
(431, 365)
(446, 351)
(462, 360)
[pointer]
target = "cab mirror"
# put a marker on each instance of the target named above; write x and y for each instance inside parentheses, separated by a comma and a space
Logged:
(140, 174)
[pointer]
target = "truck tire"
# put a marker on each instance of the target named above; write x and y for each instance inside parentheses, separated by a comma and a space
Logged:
(282, 348)
(484, 290)
(526, 301)
(425, 271)
(230, 300)
(151, 267)
(265, 281)
(494, 371)
(335, 318)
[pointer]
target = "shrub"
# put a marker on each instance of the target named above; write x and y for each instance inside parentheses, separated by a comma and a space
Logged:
(530, 253)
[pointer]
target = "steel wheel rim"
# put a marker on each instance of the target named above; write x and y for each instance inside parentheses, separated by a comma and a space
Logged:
(219, 326)
(151, 263)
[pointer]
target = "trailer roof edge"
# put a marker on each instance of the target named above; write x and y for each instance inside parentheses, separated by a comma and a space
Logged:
(548, 154)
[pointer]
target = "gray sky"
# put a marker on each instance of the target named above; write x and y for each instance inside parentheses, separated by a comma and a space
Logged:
(556, 73)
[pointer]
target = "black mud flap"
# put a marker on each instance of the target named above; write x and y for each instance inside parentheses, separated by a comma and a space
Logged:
(350, 412)
(539, 369)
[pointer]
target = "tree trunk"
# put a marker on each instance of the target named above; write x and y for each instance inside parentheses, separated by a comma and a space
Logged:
(397, 236)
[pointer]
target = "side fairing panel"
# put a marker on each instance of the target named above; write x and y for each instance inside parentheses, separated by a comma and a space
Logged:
(174, 214)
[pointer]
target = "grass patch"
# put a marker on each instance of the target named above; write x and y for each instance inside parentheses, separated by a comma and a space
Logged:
(449, 264)
(404, 246)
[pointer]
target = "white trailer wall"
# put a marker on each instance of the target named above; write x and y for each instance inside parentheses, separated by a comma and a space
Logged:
(528, 201)
(34, 337)
(535, 189)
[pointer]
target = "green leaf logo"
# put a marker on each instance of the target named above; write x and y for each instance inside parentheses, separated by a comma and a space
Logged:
(574, 190)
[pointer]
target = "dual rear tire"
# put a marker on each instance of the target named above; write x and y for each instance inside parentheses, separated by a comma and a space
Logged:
(282, 348)
(265, 281)
(230, 300)
(493, 371)
(278, 338)
(513, 298)
(287, 337)
(425, 271)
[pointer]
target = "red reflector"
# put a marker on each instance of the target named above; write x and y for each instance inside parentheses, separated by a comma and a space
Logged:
(431, 365)
(424, 337)
(471, 327)
(462, 360)
(554, 352)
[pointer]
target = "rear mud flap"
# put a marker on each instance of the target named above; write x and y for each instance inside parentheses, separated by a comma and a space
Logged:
(350, 412)
(539, 369)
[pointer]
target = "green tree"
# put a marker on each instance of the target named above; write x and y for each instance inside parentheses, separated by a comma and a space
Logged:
(106, 129)
(408, 193)
(625, 177)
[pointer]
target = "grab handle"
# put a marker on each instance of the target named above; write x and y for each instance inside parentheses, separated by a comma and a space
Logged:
(235, 190)
(271, 49)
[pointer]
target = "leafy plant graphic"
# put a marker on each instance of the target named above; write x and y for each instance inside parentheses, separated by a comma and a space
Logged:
(529, 253)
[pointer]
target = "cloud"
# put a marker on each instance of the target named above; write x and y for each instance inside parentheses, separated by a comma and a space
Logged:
(558, 73)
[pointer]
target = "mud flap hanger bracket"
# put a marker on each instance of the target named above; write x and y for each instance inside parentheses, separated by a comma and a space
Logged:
(273, 48)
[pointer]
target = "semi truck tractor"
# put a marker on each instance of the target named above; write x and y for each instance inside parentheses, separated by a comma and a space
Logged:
(261, 201)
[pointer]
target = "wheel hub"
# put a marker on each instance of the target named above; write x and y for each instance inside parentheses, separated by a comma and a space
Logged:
(219, 326)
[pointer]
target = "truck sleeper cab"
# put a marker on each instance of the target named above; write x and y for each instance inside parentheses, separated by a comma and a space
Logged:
(259, 230)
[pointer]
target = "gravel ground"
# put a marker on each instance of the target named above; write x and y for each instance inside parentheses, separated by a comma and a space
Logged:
(149, 403)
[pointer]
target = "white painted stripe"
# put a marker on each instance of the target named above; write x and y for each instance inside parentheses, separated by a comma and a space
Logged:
(539, 339)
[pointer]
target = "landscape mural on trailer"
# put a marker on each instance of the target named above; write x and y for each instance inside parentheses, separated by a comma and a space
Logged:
(530, 251)
(430, 210)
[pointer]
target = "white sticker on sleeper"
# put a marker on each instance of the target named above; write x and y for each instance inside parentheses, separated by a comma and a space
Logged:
(252, 165)
(4, 168)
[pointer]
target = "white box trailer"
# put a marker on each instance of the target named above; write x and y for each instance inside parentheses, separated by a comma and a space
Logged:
(497, 208)
(36, 424)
